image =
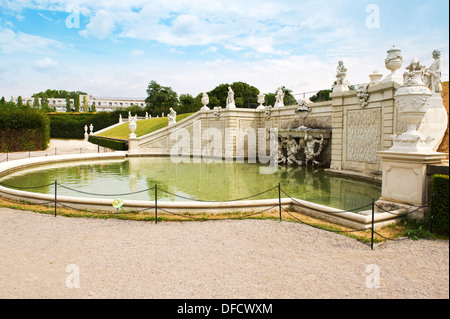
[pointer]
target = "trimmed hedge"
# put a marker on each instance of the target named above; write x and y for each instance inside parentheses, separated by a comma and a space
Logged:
(115, 144)
(71, 125)
(439, 205)
(23, 130)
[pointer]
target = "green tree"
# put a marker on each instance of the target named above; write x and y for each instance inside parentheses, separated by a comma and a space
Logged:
(288, 99)
(245, 95)
(19, 101)
(85, 104)
(68, 105)
(188, 104)
(160, 99)
(322, 95)
(36, 103)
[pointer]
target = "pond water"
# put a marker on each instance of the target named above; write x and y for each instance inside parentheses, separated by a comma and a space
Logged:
(216, 181)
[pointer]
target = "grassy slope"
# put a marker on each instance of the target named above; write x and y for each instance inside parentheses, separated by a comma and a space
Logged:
(143, 127)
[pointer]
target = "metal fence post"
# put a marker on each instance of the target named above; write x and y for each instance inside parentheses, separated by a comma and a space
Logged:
(279, 199)
(56, 193)
(373, 222)
(156, 203)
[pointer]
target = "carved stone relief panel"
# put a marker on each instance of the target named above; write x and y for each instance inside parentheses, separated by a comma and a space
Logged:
(363, 135)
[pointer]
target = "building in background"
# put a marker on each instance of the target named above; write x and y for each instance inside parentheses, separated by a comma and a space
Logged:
(106, 104)
(101, 104)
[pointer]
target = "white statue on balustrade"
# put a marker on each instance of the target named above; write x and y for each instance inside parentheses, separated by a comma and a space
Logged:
(172, 116)
(230, 99)
(432, 75)
(341, 84)
(279, 97)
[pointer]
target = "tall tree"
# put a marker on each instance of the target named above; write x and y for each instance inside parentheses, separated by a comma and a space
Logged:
(245, 95)
(160, 99)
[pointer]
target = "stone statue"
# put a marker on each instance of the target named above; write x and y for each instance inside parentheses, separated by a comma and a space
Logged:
(341, 84)
(432, 76)
(230, 99)
(280, 97)
(310, 152)
(292, 149)
(415, 73)
(281, 157)
(172, 116)
(86, 135)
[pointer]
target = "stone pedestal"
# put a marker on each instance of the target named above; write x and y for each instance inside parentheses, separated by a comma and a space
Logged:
(405, 176)
(133, 145)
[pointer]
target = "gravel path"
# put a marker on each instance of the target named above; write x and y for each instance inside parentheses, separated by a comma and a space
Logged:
(42, 256)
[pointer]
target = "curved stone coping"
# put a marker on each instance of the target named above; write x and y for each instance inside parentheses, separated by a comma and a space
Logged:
(348, 219)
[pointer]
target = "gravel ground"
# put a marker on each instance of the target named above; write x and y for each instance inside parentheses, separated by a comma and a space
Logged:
(43, 256)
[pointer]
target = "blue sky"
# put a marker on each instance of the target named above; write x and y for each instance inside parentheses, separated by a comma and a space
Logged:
(118, 47)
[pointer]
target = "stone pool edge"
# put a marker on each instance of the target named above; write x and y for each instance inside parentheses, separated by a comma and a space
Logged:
(361, 220)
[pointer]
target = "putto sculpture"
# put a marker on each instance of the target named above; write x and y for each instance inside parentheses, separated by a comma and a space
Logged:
(341, 84)
(432, 75)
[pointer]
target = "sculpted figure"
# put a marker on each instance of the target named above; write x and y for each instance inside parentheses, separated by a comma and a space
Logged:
(172, 116)
(310, 153)
(292, 149)
(279, 97)
(432, 76)
(230, 98)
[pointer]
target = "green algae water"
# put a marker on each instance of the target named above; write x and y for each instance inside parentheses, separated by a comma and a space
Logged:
(135, 178)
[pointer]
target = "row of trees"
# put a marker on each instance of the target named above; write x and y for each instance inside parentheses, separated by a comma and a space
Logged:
(161, 98)
(40, 101)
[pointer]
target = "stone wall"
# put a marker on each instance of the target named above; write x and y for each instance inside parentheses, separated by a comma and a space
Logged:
(359, 131)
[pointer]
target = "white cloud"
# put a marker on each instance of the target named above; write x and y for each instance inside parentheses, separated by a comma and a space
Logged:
(137, 52)
(12, 42)
(45, 63)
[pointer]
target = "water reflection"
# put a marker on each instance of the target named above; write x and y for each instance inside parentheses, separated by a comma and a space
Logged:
(217, 181)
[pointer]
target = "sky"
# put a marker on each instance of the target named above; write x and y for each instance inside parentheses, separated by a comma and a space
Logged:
(114, 48)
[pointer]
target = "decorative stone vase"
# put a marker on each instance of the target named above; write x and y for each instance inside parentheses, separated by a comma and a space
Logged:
(132, 125)
(205, 101)
(412, 99)
(393, 62)
(261, 100)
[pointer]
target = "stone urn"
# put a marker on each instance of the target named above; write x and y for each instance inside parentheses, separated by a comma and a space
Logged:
(205, 101)
(393, 62)
(412, 99)
(132, 125)
(261, 100)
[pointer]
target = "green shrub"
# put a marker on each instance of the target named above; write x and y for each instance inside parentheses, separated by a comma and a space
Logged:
(118, 145)
(71, 125)
(23, 129)
(439, 204)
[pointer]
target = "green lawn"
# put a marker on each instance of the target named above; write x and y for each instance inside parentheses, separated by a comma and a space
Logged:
(143, 127)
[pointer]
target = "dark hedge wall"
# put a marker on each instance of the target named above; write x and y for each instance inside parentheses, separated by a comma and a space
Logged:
(23, 130)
